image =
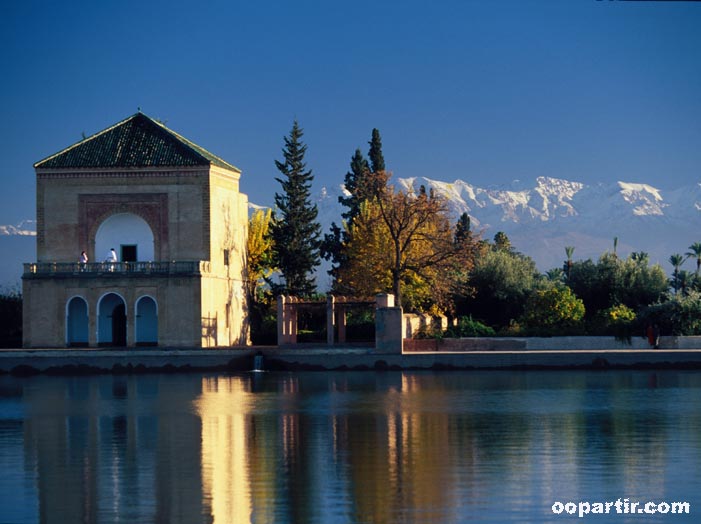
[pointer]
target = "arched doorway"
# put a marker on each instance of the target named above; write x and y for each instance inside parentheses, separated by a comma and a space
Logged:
(112, 321)
(77, 322)
(129, 235)
(146, 322)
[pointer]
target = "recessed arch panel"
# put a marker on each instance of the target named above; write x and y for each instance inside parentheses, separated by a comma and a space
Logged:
(146, 321)
(124, 229)
(112, 320)
(77, 331)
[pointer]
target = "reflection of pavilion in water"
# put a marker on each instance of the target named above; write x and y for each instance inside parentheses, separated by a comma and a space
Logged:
(99, 453)
(251, 448)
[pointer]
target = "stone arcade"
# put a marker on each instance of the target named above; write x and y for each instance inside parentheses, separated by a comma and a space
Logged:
(174, 215)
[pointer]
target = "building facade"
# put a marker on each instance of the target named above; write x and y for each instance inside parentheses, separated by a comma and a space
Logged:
(173, 214)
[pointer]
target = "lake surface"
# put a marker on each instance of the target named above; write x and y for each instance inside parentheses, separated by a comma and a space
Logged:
(388, 447)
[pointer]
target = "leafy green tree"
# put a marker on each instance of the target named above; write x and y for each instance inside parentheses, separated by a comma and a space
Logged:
(612, 281)
(295, 231)
(641, 284)
(678, 316)
(501, 281)
(598, 285)
(553, 307)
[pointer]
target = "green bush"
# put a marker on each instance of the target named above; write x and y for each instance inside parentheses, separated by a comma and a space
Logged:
(679, 316)
(555, 306)
(619, 321)
(467, 327)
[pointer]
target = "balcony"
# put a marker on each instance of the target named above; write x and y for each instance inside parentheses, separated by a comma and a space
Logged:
(34, 270)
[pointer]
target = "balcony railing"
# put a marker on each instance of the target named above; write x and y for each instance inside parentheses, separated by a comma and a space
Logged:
(92, 269)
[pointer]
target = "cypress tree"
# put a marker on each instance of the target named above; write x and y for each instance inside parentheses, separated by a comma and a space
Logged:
(377, 160)
(295, 230)
(332, 245)
(354, 184)
(365, 181)
(462, 229)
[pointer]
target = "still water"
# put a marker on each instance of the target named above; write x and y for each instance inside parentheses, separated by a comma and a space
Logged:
(387, 447)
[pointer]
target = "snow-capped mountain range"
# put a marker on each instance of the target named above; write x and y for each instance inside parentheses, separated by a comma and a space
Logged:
(540, 218)
(544, 217)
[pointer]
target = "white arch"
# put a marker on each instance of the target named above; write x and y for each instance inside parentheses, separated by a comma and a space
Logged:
(146, 320)
(124, 229)
(77, 321)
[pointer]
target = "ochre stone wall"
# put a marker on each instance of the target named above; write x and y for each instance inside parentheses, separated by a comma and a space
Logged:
(177, 298)
(195, 214)
(71, 206)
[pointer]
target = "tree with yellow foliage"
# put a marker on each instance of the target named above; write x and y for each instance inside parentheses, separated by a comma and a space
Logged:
(405, 243)
(259, 250)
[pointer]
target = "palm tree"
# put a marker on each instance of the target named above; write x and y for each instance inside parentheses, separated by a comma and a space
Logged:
(555, 275)
(684, 278)
(641, 257)
(569, 250)
(695, 252)
(676, 260)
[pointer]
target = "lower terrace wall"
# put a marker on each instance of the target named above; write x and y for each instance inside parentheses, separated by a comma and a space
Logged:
(544, 344)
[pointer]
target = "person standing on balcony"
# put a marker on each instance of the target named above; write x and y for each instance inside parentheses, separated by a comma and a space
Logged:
(112, 259)
(83, 260)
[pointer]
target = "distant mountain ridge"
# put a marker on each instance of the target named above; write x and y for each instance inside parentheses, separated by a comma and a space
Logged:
(551, 213)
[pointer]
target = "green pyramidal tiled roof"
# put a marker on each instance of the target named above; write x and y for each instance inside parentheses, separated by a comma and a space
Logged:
(138, 141)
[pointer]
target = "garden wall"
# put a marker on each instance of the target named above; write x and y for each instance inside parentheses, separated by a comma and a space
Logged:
(544, 344)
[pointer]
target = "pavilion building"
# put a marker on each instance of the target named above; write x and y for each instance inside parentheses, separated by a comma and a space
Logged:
(177, 222)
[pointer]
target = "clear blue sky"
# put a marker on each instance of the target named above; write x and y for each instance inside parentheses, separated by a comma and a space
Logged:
(486, 91)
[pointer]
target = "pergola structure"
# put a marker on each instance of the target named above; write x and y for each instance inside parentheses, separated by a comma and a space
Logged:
(288, 309)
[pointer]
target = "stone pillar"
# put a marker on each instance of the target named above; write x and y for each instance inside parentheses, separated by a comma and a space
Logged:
(130, 312)
(330, 300)
(388, 325)
(384, 300)
(92, 321)
(281, 321)
(292, 318)
(341, 323)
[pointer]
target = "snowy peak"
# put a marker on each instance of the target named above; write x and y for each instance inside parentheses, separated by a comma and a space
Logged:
(549, 199)
(24, 228)
(645, 200)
